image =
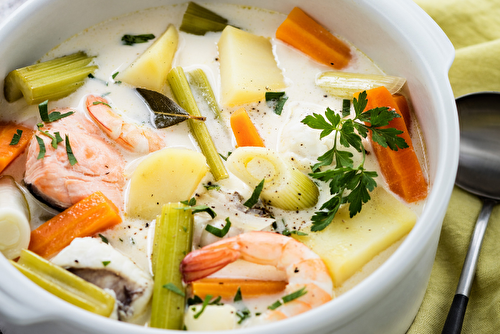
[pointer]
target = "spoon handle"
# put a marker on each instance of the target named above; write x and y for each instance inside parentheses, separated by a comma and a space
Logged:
(453, 324)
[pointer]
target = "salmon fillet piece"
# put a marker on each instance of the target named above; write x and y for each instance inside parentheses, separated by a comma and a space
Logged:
(100, 166)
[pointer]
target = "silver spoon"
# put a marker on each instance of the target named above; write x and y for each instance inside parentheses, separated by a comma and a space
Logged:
(479, 174)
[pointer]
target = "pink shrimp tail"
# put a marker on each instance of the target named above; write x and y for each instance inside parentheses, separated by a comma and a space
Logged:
(204, 262)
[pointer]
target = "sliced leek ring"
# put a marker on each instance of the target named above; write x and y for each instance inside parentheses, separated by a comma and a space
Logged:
(15, 228)
(344, 84)
(285, 187)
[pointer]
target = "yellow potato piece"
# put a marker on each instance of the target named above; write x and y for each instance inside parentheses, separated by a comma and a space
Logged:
(151, 68)
(248, 68)
(347, 244)
(168, 175)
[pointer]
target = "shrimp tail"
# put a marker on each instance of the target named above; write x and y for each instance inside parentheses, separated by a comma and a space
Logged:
(204, 262)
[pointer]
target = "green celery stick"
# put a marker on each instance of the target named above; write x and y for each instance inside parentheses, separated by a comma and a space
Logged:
(198, 79)
(49, 80)
(182, 92)
(198, 20)
(64, 284)
(172, 241)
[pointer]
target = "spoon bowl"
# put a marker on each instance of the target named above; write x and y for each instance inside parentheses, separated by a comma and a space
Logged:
(479, 162)
(478, 173)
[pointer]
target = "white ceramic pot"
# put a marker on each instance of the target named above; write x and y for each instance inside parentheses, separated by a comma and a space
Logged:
(399, 37)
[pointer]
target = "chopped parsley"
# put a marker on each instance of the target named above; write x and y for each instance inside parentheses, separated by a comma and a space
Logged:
(225, 157)
(69, 152)
(255, 195)
(114, 75)
(348, 184)
(136, 39)
(237, 296)
(172, 287)
(217, 231)
(197, 208)
(243, 315)
(43, 109)
(288, 298)
(105, 263)
(104, 239)
(206, 301)
(100, 102)
(41, 145)
(277, 99)
(16, 137)
(212, 186)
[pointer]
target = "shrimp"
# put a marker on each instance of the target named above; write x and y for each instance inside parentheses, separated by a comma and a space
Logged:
(303, 267)
(130, 136)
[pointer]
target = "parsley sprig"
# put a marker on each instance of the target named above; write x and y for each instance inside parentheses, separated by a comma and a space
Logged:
(348, 184)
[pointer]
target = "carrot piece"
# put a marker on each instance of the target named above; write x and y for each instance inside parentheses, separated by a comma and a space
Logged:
(401, 168)
(304, 33)
(227, 287)
(244, 131)
(403, 107)
(89, 216)
(9, 152)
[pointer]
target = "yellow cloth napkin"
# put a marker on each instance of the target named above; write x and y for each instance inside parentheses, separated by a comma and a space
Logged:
(473, 27)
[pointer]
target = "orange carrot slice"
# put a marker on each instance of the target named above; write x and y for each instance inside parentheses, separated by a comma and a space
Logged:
(244, 130)
(401, 168)
(9, 152)
(403, 107)
(89, 216)
(304, 33)
(227, 287)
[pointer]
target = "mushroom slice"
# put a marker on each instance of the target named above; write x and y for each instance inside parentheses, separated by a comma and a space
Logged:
(99, 263)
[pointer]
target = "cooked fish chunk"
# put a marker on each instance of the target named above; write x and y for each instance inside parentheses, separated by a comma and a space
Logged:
(102, 265)
(100, 166)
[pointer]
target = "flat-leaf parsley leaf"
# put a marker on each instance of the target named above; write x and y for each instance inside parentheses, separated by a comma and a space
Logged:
(348, 184)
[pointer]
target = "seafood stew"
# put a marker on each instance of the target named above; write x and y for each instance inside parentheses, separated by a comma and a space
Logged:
(122, 120)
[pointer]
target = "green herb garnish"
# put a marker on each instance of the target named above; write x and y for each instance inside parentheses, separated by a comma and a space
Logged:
(255, 195)
(69, 152)
(277, 99)
(105, 263)
(43, 109)
(225, 157)
(136, 39)
(16, 137)
(100, 102)
(206, 301)
(41, 145)
(198, 208)
(114, 75)
(193, 301)
(346, 107)
(237, 296)
(212, 186)
(288, 298)
(243, 315)
(172, 287)
(348, 184)
(104, 239)
(217, 231)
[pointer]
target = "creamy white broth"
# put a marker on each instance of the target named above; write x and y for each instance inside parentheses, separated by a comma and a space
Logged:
(103, 41)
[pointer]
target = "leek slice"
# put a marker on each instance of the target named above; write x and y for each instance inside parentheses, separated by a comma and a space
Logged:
(172, 241)
(15, 228)
(49, 80)
(344, 84)
(182, 93)
(285, 187)
(65, 284)
(198, 20)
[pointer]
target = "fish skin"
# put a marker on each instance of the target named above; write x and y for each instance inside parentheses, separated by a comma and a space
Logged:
(100, 166)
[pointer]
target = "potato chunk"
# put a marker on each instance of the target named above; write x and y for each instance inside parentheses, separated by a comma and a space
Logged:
(248, 68)
(151, 68)
(168, 175)
(347, 244)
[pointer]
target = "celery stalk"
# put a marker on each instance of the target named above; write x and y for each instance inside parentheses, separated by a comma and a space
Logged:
(172, 241)
(182, 93)
(198, 79)
(64, 284)
(50, 80)
(198, 20)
